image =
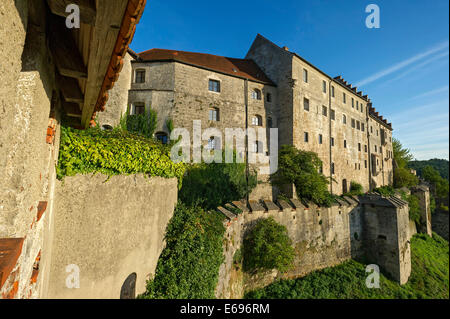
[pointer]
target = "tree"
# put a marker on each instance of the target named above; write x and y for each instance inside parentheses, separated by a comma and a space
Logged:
(441, 187)
(402, 175)
(301, 168)
(267, 246)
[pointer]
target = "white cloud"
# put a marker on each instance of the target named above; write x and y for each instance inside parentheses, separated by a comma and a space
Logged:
(439, 47)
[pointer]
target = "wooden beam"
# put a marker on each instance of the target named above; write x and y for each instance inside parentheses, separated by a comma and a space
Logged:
(65, 52)
(88, 10)
(72, 109)
(70, 89)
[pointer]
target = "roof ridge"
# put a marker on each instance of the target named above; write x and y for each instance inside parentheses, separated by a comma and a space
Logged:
(202, 53)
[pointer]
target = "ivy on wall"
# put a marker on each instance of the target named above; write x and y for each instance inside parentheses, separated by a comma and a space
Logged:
(113, 153)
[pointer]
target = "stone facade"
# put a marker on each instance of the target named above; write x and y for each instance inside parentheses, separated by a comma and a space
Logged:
(352, 140)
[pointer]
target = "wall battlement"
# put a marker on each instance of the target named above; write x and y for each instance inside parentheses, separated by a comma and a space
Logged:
(368, 226)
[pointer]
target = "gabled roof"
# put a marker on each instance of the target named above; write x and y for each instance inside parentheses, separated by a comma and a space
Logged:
(242, 68)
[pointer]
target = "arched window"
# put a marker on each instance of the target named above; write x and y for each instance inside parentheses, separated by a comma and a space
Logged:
(214, 114)
(162, 136)
(213, 143)
(140, 76)
(256, 94)
(257, 147)
(344, 119)
(257, 120)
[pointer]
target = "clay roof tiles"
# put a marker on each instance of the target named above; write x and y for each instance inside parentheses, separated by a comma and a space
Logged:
(243, 68)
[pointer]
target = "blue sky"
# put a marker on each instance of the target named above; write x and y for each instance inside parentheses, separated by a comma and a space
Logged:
(403, 66)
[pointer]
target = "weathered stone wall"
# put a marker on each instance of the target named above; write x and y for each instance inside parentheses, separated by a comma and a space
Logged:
(180, 92)
(423, 194)
(29, 139)
(109, 229)
(118, 97)
(369, 227)
(321, 237)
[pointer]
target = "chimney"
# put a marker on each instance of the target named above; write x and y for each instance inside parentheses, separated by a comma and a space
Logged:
(286, 48)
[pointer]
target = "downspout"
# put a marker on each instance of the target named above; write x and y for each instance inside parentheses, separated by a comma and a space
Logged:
(246, 136)
(329, 128)
(369, 156)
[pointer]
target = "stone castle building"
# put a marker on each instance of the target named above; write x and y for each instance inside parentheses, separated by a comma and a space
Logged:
(271, 88)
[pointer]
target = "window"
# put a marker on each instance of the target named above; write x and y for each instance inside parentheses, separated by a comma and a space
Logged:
(305, 137)
(269, 97)
(305, 75)
(376, 149)
(139, 108)
(359, 166)
(356, 166)
(162, 136)
(213, 143)
(257, 147)
(365, 148)
(269, 122)
(353, 103)
(365, 163)
(362, 127)
(381, 149)
(324, 87)
(332, 168)
(214, 114)
(332, 91)
(332, 114)
(377, 132)
(320, 139)
(140, 76)
(344, 119)
(345, 143)
(324, 110)
(353, 123)
(357, 105)
(358, 125)
(214, 86)
(359, 147)
(344, 98)
(332, 141)
(371, 129)
(257, 120)
(362, 109)
(256, 94)
(306, 104)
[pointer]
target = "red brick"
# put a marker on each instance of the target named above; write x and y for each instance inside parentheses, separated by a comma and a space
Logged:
(10, 250)
(42, 206)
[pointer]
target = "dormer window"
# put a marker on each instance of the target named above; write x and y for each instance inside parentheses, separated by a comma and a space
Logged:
(140, 76)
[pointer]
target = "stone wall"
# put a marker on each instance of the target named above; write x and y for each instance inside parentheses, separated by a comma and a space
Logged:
(29, 140)
(118, 97)
(110, 229)
(322, 237)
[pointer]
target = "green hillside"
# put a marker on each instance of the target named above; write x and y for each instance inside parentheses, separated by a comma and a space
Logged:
(441, 165)
(429, 278)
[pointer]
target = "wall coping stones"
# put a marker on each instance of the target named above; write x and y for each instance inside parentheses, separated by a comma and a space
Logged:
(342, 202)
(255, 206)
(355, 198)
(271, 206)
(242, 206)
(285, 207)
(233, 208)
(229, 215)
(350, 200)
(10, 250)
(297, 204)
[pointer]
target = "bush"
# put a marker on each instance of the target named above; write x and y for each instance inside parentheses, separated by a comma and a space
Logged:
(414, 209)
(215, 184)
(355, 189)
(142, 124)
(267, 246)
(188, 267)
(404, 178)
(301, 168)
(113, 153)
(385, 191)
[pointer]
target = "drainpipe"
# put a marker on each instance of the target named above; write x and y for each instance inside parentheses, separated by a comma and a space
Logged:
(246, 135)
(329, 129)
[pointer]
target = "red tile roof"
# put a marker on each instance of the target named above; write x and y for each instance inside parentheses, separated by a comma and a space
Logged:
(243, 68)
